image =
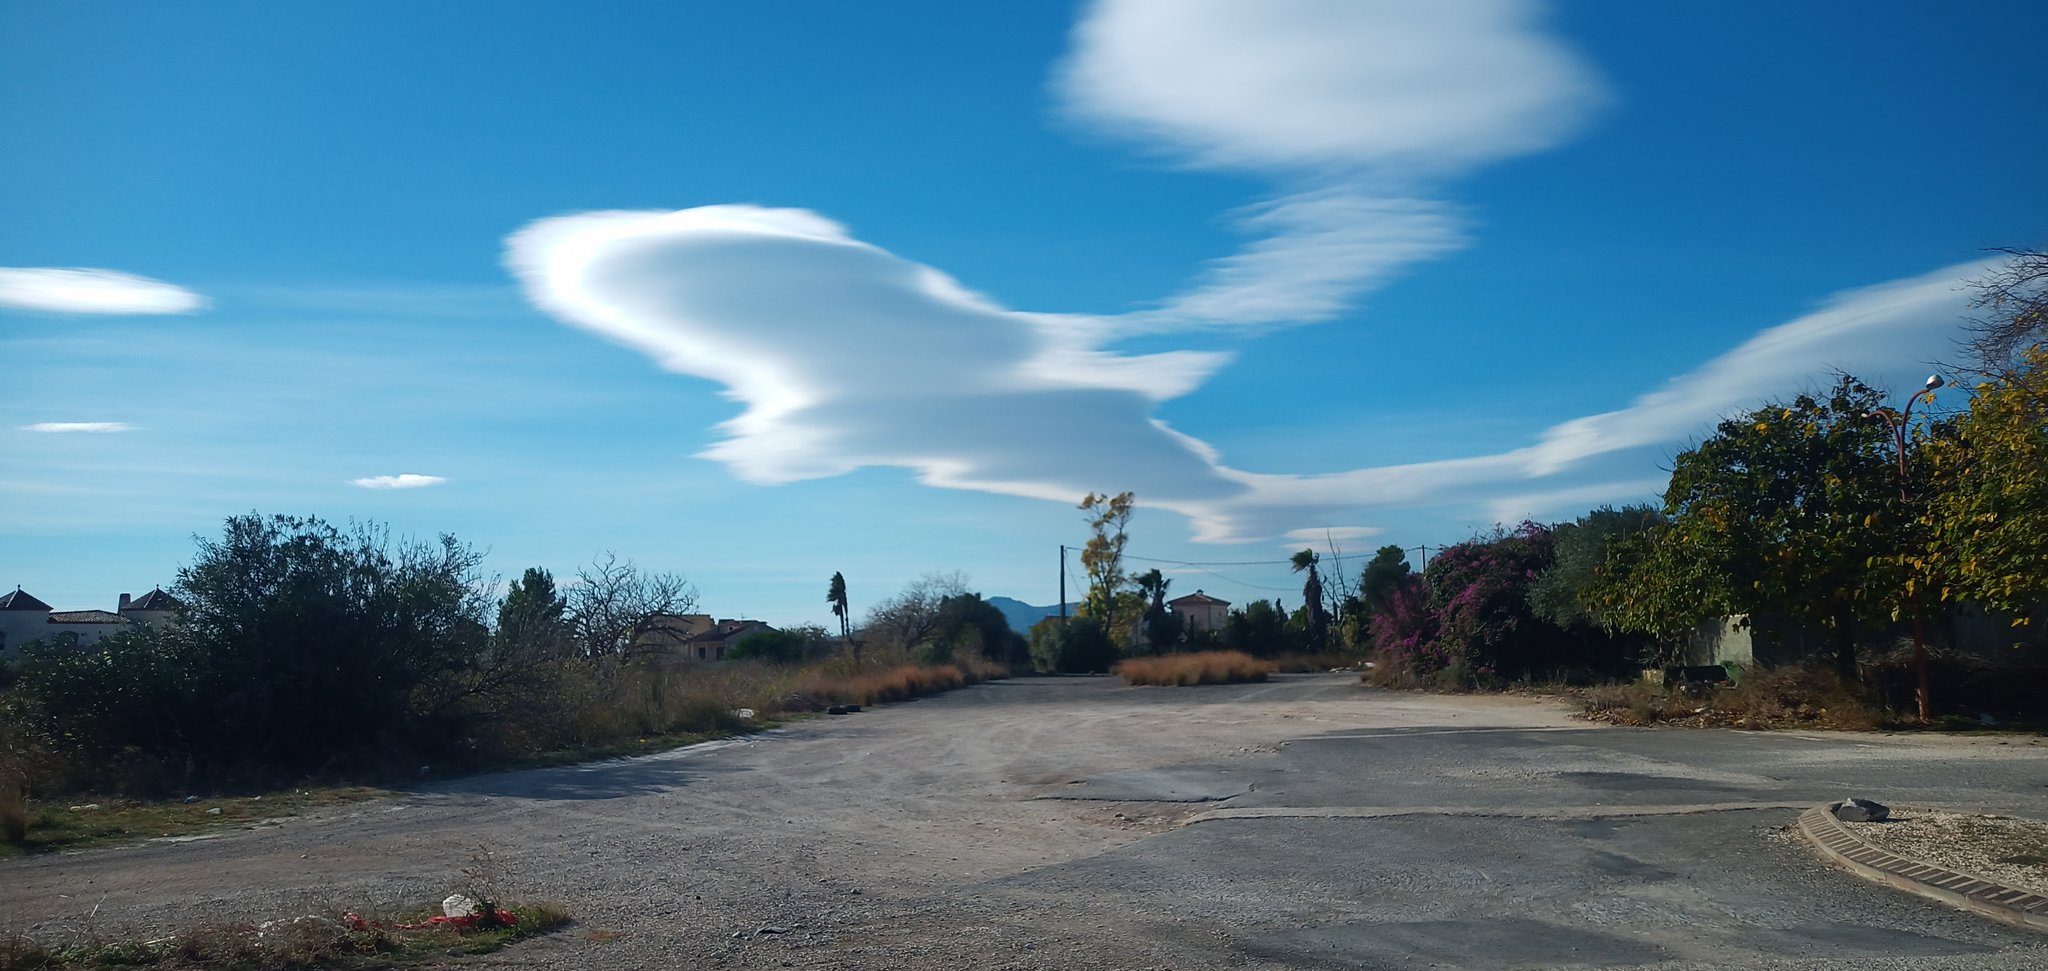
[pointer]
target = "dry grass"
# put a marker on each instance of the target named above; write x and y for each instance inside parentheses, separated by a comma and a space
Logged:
(1206, 667)
(1794, 696)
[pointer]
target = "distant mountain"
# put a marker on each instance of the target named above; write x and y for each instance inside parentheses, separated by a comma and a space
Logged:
(1022, 615)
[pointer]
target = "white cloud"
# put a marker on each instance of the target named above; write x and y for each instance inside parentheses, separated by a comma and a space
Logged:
(1568, 503)
(1358, 107)
(1882, 333)
(406, 481)
(65, 427)
(1390, 87)
(1323, 534)
(89, 291)
(1868, 332)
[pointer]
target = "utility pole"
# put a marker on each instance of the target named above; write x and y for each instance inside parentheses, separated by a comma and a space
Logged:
(1423, 552)
(1063, 583)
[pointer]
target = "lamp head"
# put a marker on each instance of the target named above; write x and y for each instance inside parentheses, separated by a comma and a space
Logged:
(1934, 381)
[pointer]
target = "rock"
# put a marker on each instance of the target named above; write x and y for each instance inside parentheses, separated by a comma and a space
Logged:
(836, 710)
(850, 707)
(743, 713)
(215, 811)
(1853, 810)
(189, 800)
(773, 930)
(459, 905)
(426, 770)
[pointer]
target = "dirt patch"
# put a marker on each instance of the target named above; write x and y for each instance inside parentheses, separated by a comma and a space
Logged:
(2011, 851)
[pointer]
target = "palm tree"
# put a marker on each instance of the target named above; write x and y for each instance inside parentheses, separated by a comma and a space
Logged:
(1153, 584)
(836, 596)
(1312, 594)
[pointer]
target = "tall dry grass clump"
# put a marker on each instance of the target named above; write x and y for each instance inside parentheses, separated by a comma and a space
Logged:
(1205, 667)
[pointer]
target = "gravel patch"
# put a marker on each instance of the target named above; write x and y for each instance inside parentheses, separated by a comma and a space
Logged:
(2011, 851)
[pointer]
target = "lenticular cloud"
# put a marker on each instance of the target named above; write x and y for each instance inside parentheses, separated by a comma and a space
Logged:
(88, 291)
(847, 356)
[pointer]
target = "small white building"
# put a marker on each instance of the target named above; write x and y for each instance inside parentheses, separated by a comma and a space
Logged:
(1199, 611)
(25, 619)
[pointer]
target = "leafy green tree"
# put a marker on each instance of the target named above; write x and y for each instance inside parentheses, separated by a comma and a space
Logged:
(967, 624)
(301, 649)
(793, 646)
(532, 612)
(1076, 646)
(1651, 585)
(1988, 510)
(1385, 574)
(1259, 629)
(1787, 510)
(1560, 594)
(1103, 557)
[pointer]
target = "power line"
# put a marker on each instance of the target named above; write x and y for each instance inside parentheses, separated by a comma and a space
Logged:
(1286, 562)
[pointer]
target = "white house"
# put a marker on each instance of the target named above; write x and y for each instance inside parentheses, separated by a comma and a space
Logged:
(23, 619)
(1199, 611)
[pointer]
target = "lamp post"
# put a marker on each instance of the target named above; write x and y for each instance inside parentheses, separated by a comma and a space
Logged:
(1899, 423)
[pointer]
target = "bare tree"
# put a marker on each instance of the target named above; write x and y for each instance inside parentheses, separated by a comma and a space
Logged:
(613, 605)
(2014, 301)
(907, 618)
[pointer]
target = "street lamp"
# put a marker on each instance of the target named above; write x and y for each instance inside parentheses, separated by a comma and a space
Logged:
(1899, 424)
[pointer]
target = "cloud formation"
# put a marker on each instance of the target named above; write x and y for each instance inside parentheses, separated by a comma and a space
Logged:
(1358, 108)
(847, 356)
(405, 481)
(90, 291)
(66, 427)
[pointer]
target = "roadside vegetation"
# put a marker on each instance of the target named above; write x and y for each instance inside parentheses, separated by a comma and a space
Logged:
(307, 942)
(310, 661)
(1202, 667)
(1826, 525)
(1791, 526)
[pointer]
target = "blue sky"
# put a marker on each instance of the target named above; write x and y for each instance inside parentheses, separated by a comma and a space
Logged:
(885, 288)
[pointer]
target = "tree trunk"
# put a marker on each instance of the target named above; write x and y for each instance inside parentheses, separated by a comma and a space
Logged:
(1845, 642)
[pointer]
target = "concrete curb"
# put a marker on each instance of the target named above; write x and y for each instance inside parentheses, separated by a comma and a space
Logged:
(1964, 891)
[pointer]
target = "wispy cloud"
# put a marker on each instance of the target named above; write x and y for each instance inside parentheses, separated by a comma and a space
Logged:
(1315, 535)
(405, 481)
(90, 291)
(65, 427)
(1359, 109)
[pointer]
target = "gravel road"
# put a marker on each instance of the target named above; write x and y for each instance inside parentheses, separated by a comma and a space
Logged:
(1078, 823)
